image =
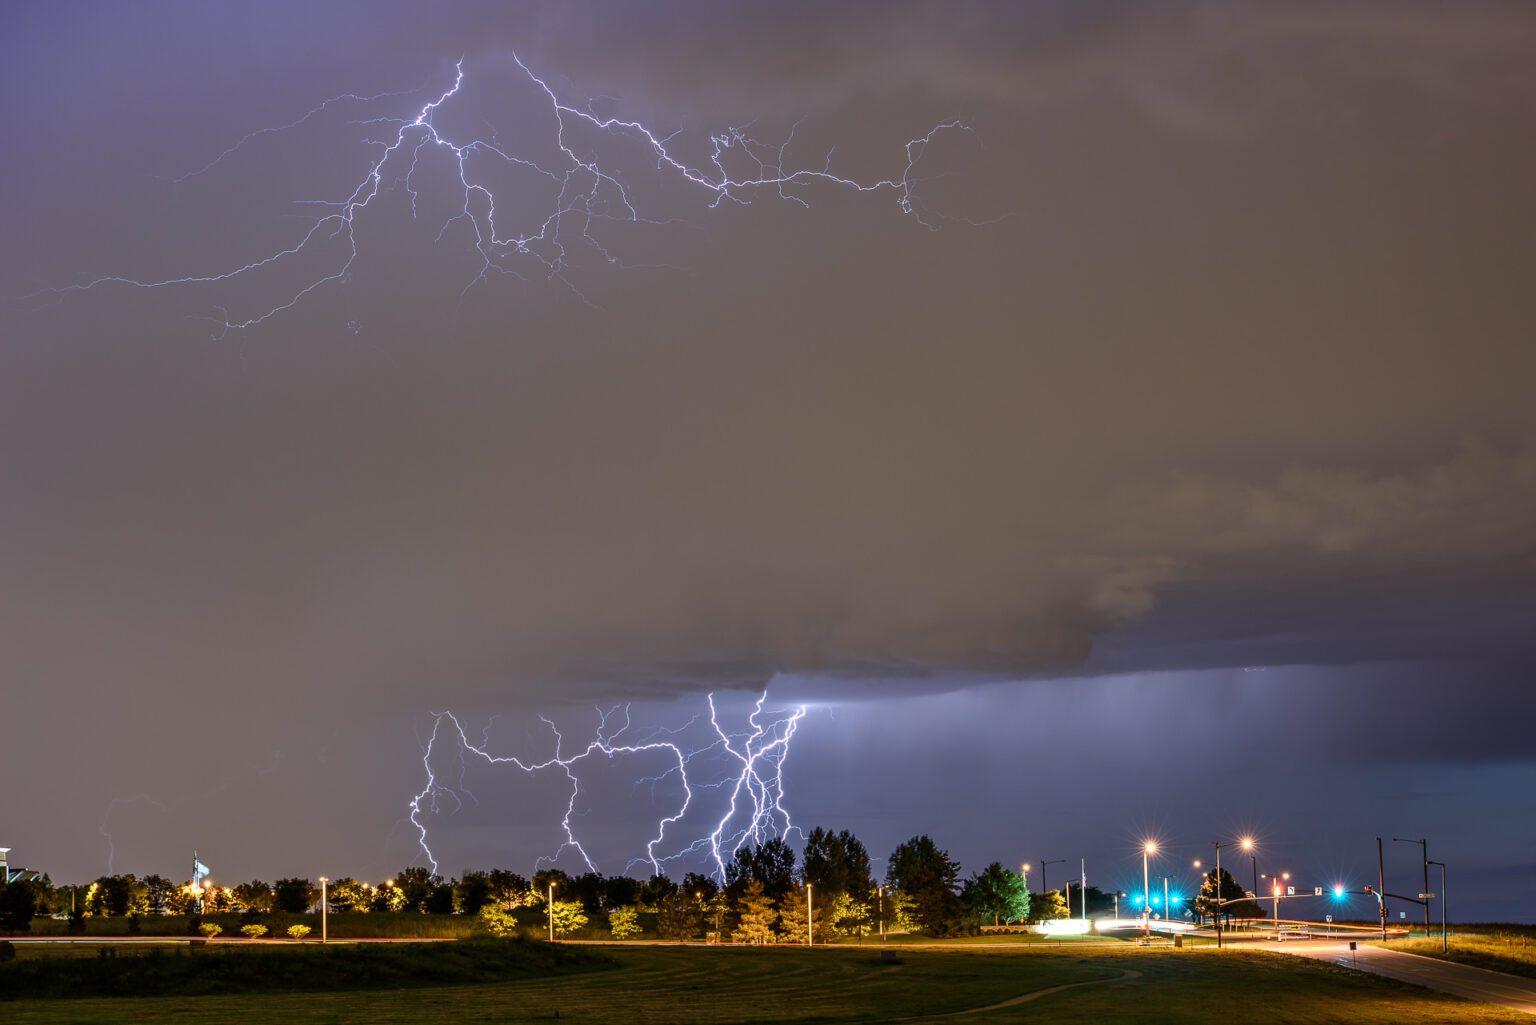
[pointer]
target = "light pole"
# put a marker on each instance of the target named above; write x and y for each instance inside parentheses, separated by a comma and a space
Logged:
(1424, 846)
(325, 907)
(1167, 911)
(1024, 872)
(1443, 942)
(1147, 850)
(1246, 843)
(881, 890)
(810, 918)
(549, 906)
(1046, 889)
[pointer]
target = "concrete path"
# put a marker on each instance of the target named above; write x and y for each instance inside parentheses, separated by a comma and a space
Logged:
(1511, 991)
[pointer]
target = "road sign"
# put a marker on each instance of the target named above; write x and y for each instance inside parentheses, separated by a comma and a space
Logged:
(1402, 914)
(1317, 891)
(1290, 891)
(1426, 896)
(1329, 919)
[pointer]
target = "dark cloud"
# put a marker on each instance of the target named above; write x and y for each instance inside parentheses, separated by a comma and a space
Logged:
(1239, 377)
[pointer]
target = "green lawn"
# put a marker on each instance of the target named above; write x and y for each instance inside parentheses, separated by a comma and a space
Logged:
(721, 985)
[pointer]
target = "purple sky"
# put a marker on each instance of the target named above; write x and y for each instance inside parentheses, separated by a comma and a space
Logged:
(1180, 482)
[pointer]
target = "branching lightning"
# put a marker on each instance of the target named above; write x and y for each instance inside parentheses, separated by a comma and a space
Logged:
(753, 788)
(584, 191)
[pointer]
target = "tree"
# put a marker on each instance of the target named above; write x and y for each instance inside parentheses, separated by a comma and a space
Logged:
(347, 894)
(496, 920)
(620, 892)
(440, 900)
(679, 916)
(508, 889)
(929, 876)
(700, 887)
(568, 916)
(771, 863)
(1048, 906)
(755, 913)
(624, 923)
(995, 895)
(473, 892)
(254, 896)
(18, 906)
(793, 915)
(842, 915)
(157, 894)
(294, 896)
(835, 863)
(1234, 904)
(656, 890)
(415, 885)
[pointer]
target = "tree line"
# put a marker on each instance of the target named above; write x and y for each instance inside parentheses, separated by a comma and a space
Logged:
(768, 894)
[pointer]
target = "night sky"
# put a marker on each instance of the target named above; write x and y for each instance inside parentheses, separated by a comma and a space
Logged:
(1176, 478)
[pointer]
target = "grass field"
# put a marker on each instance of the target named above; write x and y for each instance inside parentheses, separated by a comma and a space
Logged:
(696, 985)
(1503, 949)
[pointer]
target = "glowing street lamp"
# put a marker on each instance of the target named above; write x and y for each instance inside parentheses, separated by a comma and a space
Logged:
(325, 910)
(1246, 844)
(1147, 850)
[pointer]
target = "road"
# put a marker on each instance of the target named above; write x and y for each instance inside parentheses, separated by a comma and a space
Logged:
(1461, 980)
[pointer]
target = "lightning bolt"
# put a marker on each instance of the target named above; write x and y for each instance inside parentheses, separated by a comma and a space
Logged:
(754, 785)
(584, 192)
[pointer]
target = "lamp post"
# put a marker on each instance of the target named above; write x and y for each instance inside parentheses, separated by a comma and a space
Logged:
(325, 906)
(881, 890)
(1246, 843)
(1024, 872)
(1443, 933)
(549, 905)
(1046, 889)
(1167, 910)
(1147, 850)
(1424, 847)
(810, 918)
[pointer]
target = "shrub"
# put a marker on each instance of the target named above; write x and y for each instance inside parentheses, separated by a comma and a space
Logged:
(253, 931)
(497, 921)
(624, 923)
(298, 932)
(210, 929)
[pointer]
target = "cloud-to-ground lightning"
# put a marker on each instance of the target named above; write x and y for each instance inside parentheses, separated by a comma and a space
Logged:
(584, 190)
(751, 808)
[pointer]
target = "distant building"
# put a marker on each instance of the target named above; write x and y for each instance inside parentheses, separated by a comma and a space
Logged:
(13, 875)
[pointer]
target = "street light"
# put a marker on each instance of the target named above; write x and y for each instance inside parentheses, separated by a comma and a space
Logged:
(1424, 845)
(810, 919)
(1245, 843)
(1046, 889)
(549, 904)
(1147, 850)
(1443, 941)
(324, 910)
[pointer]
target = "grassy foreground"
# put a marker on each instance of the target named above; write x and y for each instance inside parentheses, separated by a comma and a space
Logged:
(156, 970)
(1503, 951)
(698, 985)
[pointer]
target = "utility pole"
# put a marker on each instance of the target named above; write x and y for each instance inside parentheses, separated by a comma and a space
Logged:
(1381, 880)
(1083, 867)
(1424, 848)
(1444, 943)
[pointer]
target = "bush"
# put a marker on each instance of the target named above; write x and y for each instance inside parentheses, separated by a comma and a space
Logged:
(497, 921)
(624, 923)
(298, 932)
(210, 929)
(253, 931)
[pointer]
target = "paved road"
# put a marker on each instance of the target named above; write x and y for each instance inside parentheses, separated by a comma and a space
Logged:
(1509, 991)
